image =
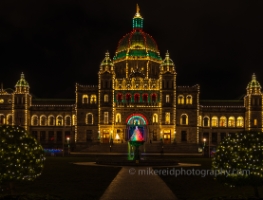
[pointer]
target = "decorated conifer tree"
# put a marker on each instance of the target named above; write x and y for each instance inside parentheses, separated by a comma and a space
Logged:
(239, 160)
(21, 156)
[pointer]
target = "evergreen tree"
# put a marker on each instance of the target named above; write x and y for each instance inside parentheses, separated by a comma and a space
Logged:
(21, 156)
(239, 160)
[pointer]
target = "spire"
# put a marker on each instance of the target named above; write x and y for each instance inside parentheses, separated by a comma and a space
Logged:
(167, 54)
(137, 21)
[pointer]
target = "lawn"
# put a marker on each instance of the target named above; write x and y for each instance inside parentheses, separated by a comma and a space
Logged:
(66, 180)
(69, 181)
(197, 187)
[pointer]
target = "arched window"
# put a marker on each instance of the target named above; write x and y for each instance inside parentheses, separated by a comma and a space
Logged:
(59, 120)
(119, 97)
(67, 120)
(145, 98)
(222, 121)
(184, 119)
(106, 98)
(189, 99)
(167, 118)
(136, 98)
(118, 118)
(155, 118)
(9, 119)
(51, 120)
(206, 121)
(231, 121)
(167, 98)
(214, 121)
(154, 97)
(180, 99)
(34, 120)
(74, 120)
(43, 120)
(89, 118)
(128, 98)
(240, 121)
(93, 98)
(2, 119)
(85, 99)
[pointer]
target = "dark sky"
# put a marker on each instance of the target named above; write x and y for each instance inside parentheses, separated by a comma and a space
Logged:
(56, 43)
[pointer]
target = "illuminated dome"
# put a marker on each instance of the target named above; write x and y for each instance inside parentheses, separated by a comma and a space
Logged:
(22, 81)
(254, 86)
(137, 43)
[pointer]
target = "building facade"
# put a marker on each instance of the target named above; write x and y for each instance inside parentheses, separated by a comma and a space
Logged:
(136, 88)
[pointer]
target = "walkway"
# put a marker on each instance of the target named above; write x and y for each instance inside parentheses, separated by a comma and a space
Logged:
(143, 154)
(130, 185)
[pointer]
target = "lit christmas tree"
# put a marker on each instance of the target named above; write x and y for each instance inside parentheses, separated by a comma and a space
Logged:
(21, 156)
(239, 160)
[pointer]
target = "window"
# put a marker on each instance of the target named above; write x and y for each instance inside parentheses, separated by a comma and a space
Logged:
(167, 98)
(167, 118)
(214, 121)
(231, 121)
(240, 122)
(51, 120)
(85, 99)
(255, 122)
(59, 136)
(180, 99)
(74, 120)
(154, 97)
(155, 118)
(189, 99)
(34, 120)
(184, 119)
(42, 136)
(222, 136)
(118, 118)
(89, 118)
(59, 120)
(206, 121)
(89, 135)
(223, 121)
(119, 98)
(214, 138)
(34, 134)
(136, 98)
(106, 98)
(93, 99)
(43, 120)
(51, 136)
(128, 98)
(67, 121)
(184, 136)
(145, 98)
(106, 117)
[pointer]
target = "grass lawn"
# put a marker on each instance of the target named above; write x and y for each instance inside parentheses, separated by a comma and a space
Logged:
(197, 187)
(69, 181)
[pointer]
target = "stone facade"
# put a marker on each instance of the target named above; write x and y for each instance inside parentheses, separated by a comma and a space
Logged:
(136, 88)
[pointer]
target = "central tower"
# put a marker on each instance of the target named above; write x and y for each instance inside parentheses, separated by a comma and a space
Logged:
(137, 89)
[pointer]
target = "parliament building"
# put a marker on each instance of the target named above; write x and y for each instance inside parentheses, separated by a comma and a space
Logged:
(136, 88)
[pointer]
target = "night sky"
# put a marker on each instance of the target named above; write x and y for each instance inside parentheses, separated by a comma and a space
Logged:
(56, 43)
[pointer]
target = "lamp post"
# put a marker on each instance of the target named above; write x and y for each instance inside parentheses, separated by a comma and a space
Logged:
(68, 142)
(204, 140)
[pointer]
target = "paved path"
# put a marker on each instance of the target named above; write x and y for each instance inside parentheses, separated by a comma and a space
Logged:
(126, 186)
(143, 154)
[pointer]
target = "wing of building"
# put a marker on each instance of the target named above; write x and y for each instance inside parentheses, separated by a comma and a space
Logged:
(136, 88)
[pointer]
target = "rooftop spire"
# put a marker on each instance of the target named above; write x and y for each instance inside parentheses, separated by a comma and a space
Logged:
(137, 21)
